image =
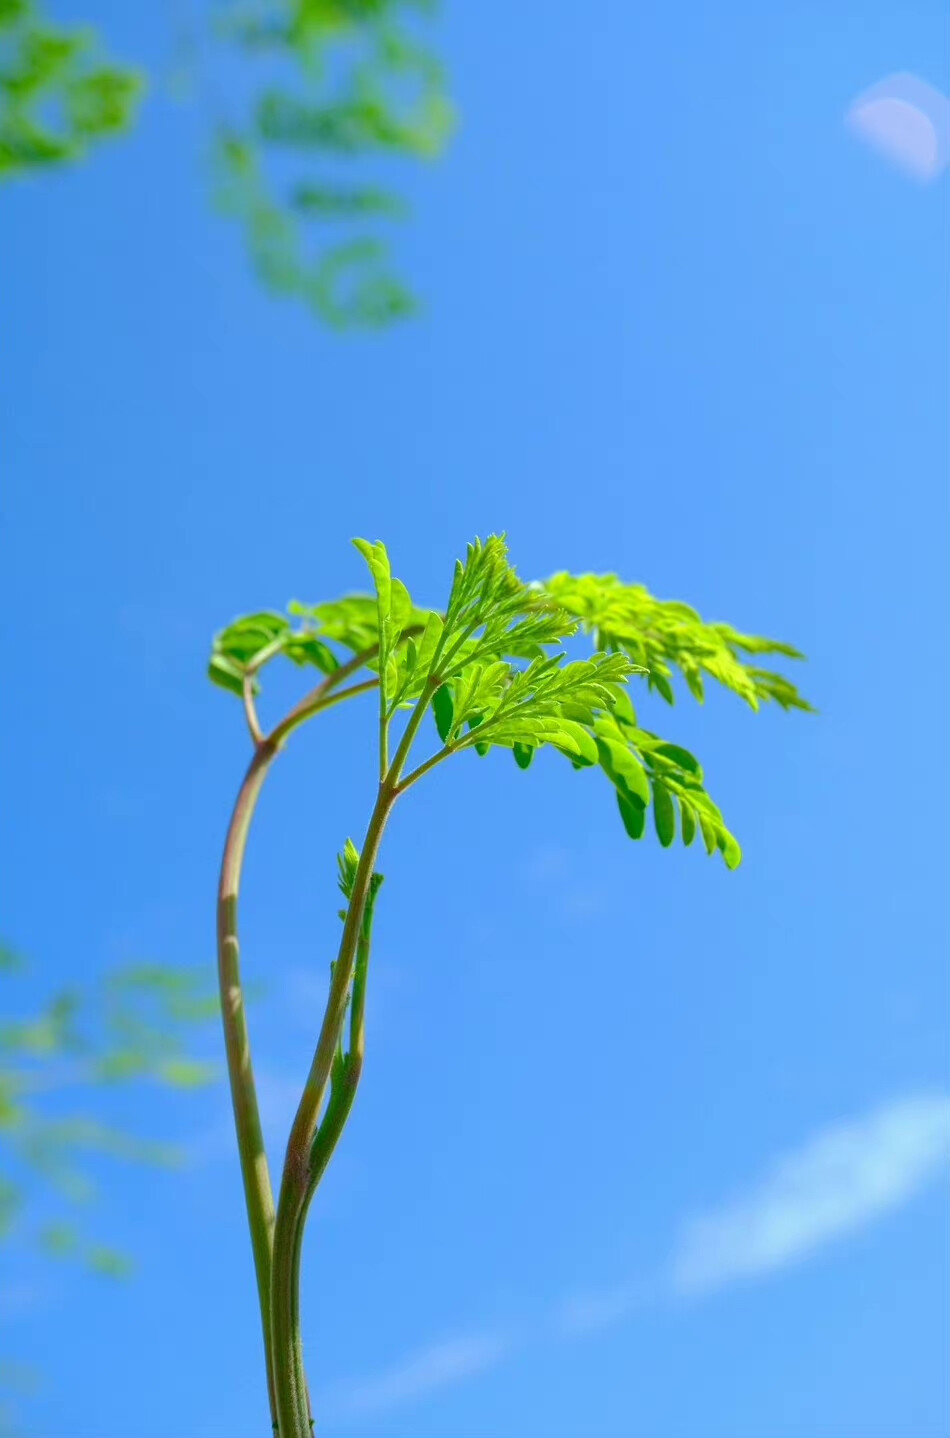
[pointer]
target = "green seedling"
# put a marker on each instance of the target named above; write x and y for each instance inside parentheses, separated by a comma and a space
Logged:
(492, 669)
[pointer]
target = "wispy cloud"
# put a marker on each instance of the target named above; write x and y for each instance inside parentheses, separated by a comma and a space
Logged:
(437, 1366)
(839, 1181)
(586, 1312)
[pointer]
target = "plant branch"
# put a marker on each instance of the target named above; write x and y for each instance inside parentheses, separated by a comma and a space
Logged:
(258, 1193)
(303, 1165)
(250, 709)
(416, 774)
(318, 697)
(412, 728)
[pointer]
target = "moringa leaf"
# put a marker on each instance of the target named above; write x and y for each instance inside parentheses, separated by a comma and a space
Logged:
(443, 711)
(664, 815)
(633, 815)
(687, 822)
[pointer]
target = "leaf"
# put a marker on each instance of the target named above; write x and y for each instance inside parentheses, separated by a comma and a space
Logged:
(729, 848)
(688, 822)
(187, 1073)
(428, 643)
(109, 1262)
(708, 830)
(622, 708)
(632, 814)
(664, 814)
(443, 710)
(623, 768)
(348, 863)
(308, 649)
(401, 609)
(679, 756)
(577, 740)
(660, 682)
(244, 640)
(58, 1239)
(523, 753)
(225, 673)
(377, 560)
(481, 749)
(662, 634)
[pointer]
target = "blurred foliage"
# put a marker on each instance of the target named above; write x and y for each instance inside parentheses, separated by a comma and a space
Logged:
(315, 90)
(130, 1028)
(58, 94)
(354, 84)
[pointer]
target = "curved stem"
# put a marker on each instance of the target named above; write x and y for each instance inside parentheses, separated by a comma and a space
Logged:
(258, 1193)
(250, 709)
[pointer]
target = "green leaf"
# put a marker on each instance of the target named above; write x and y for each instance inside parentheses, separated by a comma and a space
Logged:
(225, 673)
(377, 560)
(575, 738)
(622, 708)
(663, 634)
(633, 815)
(729, 848)
(244, 640)
(58, 1239)
(109, 1262)
(308, 649)
(428, 643)
(443, 711)
(664, 815)
(623, 768)
(187, 1073)
(348, 863)
(708, 831)
(688, 822)
(401, 609)
(660, 682)
(679, 756)
(480, 749)
(523, 753)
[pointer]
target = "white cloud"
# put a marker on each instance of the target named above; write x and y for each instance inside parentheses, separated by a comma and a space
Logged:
(586, 1312)
(436, 1366)
(838, 1182)
(908, 122)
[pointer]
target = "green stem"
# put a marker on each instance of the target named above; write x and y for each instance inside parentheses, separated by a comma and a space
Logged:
(255, 1173)
(258, 1193)
(417, 774)
(412, 728)
(308, 1153)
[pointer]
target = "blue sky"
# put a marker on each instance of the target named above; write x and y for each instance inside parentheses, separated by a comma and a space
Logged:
(643, 1147)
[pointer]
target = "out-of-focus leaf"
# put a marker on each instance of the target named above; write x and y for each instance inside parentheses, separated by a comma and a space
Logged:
(109, 1262)
(58, 94)
(342, 84)
(187, 1073)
